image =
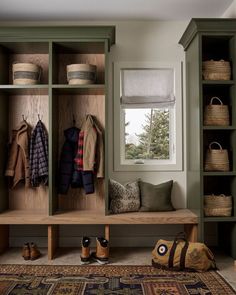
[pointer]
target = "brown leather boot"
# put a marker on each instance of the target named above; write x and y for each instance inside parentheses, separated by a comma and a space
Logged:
(102, 253)
(34, 252)
(26, 251)
(85, 253)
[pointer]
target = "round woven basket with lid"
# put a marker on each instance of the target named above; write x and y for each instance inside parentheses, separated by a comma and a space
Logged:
(25, 73)
(81, 74)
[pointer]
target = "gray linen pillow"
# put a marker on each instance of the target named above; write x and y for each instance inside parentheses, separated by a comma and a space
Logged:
(124, 198)
(155, 198)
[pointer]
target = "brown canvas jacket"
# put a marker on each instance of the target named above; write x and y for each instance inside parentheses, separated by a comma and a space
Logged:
(18, 160)
(93, 140)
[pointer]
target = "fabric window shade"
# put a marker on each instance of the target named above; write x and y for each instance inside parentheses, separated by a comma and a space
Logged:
(147, 88)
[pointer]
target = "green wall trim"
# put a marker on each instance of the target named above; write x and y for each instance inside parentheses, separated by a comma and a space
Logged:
(206, 25)
(53, 32)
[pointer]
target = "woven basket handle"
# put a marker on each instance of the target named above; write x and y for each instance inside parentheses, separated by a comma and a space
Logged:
(217, 98)
(215, 142)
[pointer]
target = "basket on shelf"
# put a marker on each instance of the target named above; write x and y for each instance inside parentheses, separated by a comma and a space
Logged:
(216, 114)
(216, 159)
(220, 205)
(216, 70)
(81, 74)
(26, 73)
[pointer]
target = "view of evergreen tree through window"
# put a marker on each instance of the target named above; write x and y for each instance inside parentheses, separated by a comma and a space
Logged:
(147, 134)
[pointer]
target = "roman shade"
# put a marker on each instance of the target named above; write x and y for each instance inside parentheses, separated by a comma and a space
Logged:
(147, 88)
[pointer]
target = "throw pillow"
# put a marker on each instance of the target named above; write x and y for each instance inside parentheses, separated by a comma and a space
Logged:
(156, 197)
(124, 198)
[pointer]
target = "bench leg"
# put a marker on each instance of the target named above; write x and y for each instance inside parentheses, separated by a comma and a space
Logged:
(107, 232)
(52, 240)
(4, 237)
(191, 231)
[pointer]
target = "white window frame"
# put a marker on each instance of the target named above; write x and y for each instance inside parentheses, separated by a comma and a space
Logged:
(173, 164)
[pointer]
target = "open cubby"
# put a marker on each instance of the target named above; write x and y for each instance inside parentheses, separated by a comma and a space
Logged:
(217, 47)
(219, 185)
(78, 106)
(29, 104)
(66, 53)
(32, 52)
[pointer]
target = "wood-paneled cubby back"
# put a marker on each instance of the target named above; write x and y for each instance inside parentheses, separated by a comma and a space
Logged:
(204, 40)
(52, 48)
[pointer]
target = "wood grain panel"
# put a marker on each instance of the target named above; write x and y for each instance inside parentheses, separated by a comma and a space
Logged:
(39, 59)
(66, 59)
(180, 216)
(80, 106)
(30, 106)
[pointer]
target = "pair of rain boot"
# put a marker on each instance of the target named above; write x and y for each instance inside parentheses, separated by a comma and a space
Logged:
(102, 251)
(30, 251)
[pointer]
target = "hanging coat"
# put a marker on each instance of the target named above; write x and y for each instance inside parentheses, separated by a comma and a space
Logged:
(90, 156)
(18, 159)
(87, 177)
(39, 155)
(67, 165)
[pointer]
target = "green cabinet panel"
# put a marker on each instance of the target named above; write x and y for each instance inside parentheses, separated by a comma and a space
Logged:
(203, 40)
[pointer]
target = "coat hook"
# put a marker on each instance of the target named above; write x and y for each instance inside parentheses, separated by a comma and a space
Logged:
(23, 117)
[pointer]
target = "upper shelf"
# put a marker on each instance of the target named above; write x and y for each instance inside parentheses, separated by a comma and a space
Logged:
(24, 89)
(223, 82)
(91, 89)
(219, 128)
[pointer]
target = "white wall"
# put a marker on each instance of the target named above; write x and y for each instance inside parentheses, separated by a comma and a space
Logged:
(231, 11)
(135, 41)
(151, 42)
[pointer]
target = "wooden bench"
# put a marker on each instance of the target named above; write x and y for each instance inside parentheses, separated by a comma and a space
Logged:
(181, 216)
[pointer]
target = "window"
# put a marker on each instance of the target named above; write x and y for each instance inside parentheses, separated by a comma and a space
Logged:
(147, 110)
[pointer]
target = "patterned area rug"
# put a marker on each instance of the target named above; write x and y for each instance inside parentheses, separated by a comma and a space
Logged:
(99, 280)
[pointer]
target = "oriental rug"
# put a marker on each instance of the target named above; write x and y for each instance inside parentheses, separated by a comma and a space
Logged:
(109, 279)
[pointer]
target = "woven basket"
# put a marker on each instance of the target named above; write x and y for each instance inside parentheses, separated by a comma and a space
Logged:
(216, 114)
(216, 159)
(218, 205)
(216, 70)
(81, 74)
(26, 73)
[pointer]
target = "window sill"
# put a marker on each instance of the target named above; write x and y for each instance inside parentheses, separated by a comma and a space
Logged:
(148, 167)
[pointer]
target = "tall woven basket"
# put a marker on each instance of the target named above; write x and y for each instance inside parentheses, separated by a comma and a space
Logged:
(220, 205)
(216, 70)
(216, 159)
(26, 73)
(216, 114)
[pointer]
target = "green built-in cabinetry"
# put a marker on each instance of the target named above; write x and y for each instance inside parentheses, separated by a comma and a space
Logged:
(210, 39)
(57, 104)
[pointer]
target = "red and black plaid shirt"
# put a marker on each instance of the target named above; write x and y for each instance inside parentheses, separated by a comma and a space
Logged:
(79, 156)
